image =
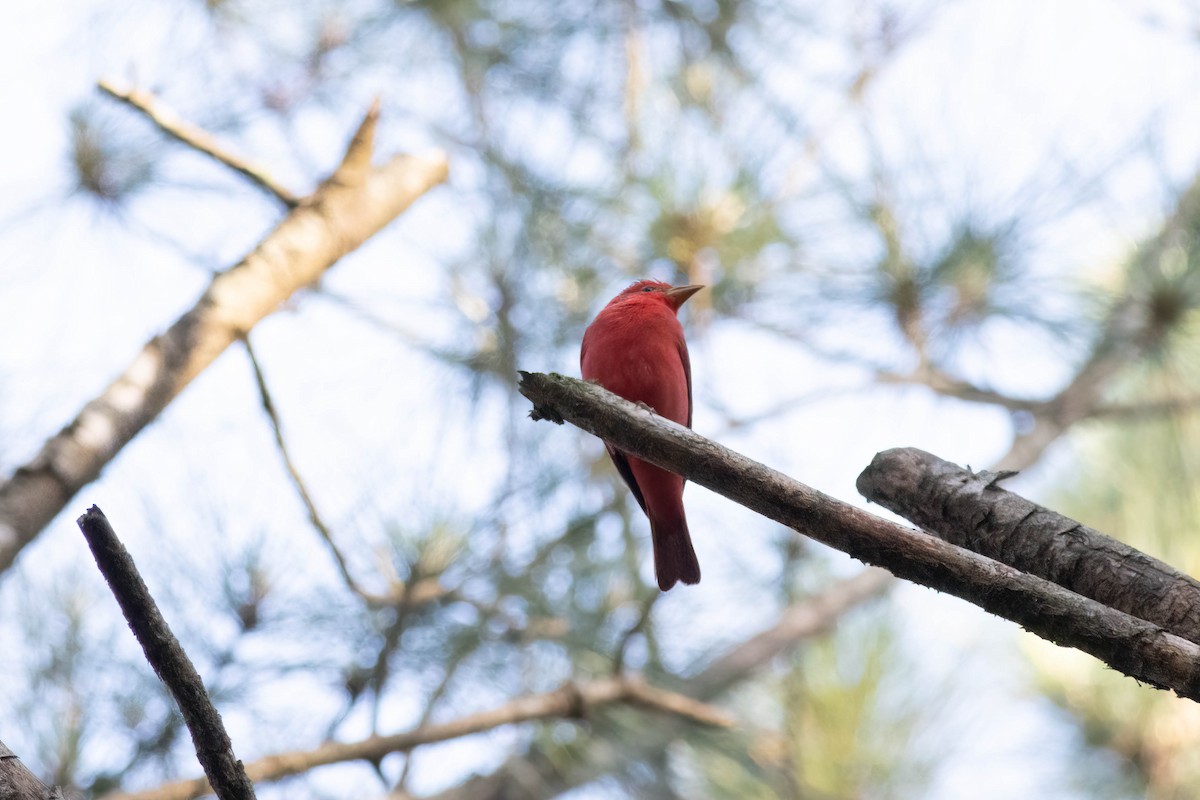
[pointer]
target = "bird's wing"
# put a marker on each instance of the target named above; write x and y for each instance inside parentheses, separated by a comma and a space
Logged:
(622, 464)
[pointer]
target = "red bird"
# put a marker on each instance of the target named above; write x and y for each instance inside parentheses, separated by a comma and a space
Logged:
(635, 349)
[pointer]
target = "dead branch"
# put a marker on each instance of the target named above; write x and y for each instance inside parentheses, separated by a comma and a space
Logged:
(1130, 645)
(18, 783)
(569, 701)
(214, 749)
(338, 217)
(174, 125)
(970, 510)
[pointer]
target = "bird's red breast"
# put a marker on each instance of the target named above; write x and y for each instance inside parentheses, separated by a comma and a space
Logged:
(635, 348)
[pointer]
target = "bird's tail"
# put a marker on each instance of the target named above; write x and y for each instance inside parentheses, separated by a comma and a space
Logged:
(674, 557)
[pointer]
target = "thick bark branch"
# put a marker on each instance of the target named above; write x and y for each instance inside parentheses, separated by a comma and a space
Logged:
(18, 783)
(1130, 645)
(344, 212)
(968, 509)
(214, 749)
(569, 701)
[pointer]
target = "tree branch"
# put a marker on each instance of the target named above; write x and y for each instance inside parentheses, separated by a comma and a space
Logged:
(335, 220)
(800, 621)
(949, 385)
(1130, 645)
(214, 749)
(534, 775)
(175, 126)
(1130, 331)
(422, 592)
(18, 783)
(970, 510)
(1147, 409)
(569, 701)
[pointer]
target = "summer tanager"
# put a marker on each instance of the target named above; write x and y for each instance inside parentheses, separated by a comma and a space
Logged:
(635, 349)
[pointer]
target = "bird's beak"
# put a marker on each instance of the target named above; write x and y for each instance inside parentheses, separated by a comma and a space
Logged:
(678, 295)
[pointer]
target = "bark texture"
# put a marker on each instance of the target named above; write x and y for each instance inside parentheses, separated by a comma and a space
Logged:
(18, 783)
(970, 510)
(165, 654)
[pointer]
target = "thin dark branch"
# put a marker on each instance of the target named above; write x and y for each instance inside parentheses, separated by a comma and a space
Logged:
(214, 750)
(1133, 646)
(634, 629)
(314, 516)
(174, 125)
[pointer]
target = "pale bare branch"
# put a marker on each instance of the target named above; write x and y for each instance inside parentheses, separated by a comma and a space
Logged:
(335, 220)
(569, 701)
(174, 125)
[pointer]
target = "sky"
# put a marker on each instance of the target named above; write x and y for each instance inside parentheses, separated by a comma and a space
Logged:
(995, 86)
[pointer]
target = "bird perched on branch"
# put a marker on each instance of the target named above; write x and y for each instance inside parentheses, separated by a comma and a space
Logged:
(635, 349)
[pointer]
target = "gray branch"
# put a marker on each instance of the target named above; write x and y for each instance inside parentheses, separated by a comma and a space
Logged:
(18, 783)
(214, 749)
(968, 509)
(1130, 645)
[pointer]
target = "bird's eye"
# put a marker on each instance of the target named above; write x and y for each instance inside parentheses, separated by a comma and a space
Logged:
(647, 288)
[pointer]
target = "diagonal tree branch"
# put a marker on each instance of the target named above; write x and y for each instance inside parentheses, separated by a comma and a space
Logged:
(344, 211)
(171, 664)
(424, 591)
(175, 126)
(569, 701)
(801, 621)
(1133, 328)
(1133, 646)
(18, 783)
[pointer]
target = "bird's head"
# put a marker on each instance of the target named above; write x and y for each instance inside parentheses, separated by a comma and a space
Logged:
(673, 296)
